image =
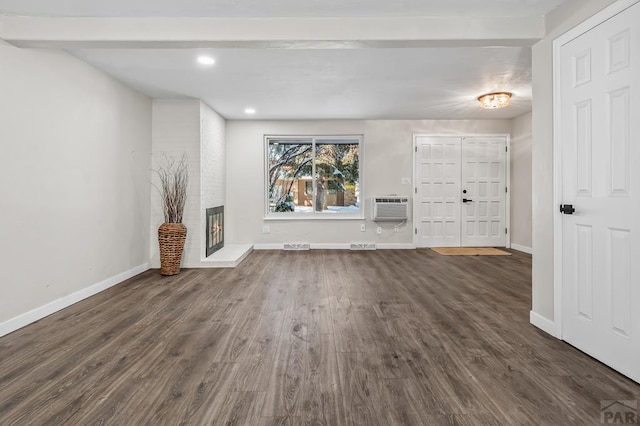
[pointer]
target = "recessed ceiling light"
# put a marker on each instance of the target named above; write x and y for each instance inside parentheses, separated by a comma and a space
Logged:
(206, 60)
(249, 110)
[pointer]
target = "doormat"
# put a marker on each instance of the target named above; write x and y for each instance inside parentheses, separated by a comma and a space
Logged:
(470, 251)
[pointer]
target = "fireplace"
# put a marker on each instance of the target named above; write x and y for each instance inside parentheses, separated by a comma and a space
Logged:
(215, 229)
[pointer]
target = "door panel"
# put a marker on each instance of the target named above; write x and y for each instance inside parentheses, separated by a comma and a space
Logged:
(619, 280)
(443, 219)
(484, 180)
(584, 271)
(619, 107)
(438, 186)
(599, 91)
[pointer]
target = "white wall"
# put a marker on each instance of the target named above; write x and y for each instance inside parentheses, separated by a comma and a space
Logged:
(176, 131)
(74, 176)
(521, 140)
(188, 126)
(566, 16)
(388, 157)
(212, 163)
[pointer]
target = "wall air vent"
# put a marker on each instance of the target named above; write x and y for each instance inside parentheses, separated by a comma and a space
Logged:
(362, 246)
(296, 246)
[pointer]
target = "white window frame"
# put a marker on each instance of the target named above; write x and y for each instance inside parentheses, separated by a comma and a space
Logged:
(314, 215)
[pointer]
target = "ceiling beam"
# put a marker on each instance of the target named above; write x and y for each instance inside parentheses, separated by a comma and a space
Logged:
(301, 33)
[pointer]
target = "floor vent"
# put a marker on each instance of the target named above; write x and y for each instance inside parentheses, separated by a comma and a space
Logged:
(363, 246)
(296, 246)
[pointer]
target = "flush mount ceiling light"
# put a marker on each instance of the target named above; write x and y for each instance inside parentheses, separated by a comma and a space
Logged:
(206, 60)
(250, 111)
(495, 100)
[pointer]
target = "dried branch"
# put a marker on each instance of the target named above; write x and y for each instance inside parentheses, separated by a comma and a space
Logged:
(174, 180)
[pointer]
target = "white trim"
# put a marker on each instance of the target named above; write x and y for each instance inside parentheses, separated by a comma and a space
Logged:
(43, 311)
(544, 324)
(590, 23)
(557, 191)
(307, 216)
(507, 178)
(523, 249)
(414, 221)
(276, 246)
(330, 246)
(338, 246)
(395, 246)
(507, 197)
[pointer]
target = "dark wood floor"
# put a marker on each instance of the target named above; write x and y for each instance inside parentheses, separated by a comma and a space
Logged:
(320, 337)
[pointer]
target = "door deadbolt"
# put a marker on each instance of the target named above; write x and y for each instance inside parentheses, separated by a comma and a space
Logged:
(567, 209)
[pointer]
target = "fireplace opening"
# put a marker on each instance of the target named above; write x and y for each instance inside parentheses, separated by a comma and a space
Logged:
(215, 229)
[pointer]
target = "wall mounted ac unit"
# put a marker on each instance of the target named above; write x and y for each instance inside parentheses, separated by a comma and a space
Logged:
(390, 208)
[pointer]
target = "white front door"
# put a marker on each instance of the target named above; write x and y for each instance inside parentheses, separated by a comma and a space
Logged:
(460, 195)
(437, 191)
(599, 79)
(483, 192)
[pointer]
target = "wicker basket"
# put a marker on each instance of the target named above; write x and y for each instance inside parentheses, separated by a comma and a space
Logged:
(171, 237)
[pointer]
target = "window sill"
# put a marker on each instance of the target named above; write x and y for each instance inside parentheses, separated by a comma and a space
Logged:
(273, 218)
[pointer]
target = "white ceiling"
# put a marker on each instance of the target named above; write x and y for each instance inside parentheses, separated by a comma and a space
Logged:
(400, 82)
(407, 83)
(278, 8)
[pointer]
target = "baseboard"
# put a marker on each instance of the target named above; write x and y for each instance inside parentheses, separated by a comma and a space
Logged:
(523, 249)
(544, 324)
(277, 246)
(330, 246)
(338, 246)
(396, 246)
(34, 315)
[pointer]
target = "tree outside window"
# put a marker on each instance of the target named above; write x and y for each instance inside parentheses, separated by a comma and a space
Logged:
(314, 175)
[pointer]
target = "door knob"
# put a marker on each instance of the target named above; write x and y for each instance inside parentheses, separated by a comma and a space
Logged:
(466, 200)
(567, 209)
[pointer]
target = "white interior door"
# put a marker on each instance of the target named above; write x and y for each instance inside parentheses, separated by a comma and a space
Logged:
(484, 191)
(599, 79)
(460, 195)
(437, 199)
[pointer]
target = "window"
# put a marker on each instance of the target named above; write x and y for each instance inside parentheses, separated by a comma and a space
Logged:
(310, 177)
